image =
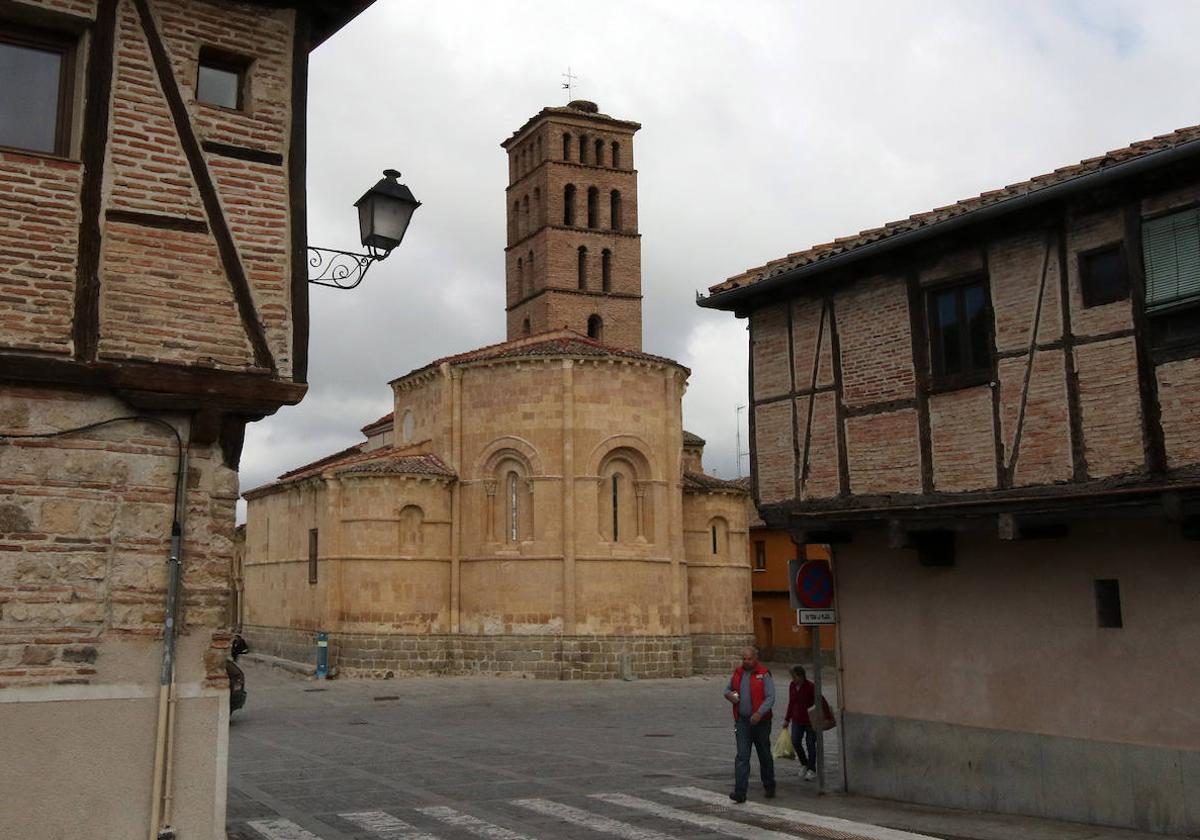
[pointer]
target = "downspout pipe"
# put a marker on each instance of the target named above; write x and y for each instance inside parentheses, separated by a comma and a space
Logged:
(161, 805)
(737, 299)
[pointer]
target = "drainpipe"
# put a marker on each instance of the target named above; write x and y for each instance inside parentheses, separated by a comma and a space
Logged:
(164, 745)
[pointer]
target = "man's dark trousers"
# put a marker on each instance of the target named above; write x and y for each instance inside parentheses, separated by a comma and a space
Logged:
(758, 735)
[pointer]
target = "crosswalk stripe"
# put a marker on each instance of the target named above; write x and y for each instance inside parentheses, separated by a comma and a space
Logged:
(281, 829)
(386, 826)
(722, 826)
(595, 822)
(472, 824)
(800, 819)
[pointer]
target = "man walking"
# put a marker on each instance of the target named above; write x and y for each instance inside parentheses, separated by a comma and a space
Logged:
(751, 692)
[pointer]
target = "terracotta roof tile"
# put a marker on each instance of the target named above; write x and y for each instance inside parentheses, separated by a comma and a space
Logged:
(558, 342)
(386, 419)
(701, 482)
(384, 460)
(843, 244)
(690, 439)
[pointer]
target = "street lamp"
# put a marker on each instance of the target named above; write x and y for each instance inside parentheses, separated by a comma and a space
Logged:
(384, 212)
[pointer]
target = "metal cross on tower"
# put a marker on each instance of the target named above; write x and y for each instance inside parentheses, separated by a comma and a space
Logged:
(571, 79)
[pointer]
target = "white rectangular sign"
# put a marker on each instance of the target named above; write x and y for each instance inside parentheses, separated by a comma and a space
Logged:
(809, 617)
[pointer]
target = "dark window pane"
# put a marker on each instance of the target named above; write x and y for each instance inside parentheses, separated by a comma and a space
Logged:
(1103, 277)
(949, 330)
(29, 110)
(1108, 603)
(219, 86)
(978, 341)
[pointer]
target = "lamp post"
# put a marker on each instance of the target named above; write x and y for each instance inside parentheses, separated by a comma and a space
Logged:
(384, 212)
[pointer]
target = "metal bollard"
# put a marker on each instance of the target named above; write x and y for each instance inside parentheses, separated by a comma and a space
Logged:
(322, 654)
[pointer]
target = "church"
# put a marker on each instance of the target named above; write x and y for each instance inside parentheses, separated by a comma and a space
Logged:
(533, 507)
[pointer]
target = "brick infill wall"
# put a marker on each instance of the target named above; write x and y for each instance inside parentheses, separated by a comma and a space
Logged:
(539, 656)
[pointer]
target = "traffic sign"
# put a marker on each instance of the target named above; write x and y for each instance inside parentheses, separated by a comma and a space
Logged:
(814, 585)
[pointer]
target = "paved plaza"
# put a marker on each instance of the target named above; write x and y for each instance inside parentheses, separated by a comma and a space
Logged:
(513, 759)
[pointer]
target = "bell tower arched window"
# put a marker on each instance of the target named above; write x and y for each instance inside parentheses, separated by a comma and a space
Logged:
(593, 210)
(583, 144)
(614, 209)
(525, 326)
(606, 270)
(532, 276)
(616, 155)
(595, 328)
(537, 206)
(569, 204)
(566, 146)
(525, 213)
(520, 278)
(581, 266)
(599, 152)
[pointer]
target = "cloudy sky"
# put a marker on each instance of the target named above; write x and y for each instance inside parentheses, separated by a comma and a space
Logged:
(767, 127)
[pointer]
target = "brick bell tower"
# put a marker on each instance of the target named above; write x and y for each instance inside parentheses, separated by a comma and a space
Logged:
(574, 252)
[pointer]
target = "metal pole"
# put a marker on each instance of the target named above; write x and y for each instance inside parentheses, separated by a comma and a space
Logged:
(819, 706)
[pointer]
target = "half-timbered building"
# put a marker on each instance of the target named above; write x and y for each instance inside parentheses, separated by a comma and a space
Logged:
(153, 300)
(992, 411)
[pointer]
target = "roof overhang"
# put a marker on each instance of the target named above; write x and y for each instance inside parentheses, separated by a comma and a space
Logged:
(739, 298)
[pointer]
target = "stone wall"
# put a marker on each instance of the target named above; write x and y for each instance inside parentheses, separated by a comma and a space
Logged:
(384, 655)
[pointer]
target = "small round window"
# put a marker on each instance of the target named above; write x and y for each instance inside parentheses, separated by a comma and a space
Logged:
(407, 426)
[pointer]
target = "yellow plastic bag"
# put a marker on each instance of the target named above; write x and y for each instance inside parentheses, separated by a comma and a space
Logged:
(783, 745)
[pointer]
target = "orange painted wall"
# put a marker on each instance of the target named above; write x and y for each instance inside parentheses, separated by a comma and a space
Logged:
(774, 618)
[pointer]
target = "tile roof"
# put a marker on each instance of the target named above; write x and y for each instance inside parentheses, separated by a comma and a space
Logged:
(690, 439)
(570, 111)
(353, 459)
(385, 420)
(700, 482)
(557, 342)
(847, 244)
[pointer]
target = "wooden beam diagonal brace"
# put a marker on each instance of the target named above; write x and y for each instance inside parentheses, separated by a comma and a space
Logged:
(235, 272)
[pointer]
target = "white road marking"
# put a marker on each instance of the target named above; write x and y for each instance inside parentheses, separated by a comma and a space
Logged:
(721, 826)
(471, 824)
(281, 829)
(800, 819)
(386, 826)
(586, 819)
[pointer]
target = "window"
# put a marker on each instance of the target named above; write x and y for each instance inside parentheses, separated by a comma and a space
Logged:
(606, 270)
(520, 278)
(312, 555)
(566, 147)
(595, 328)
(593, 209)
(1108, 603)
(760, 556)
(35, 114)
(714, 538)
(1171, 251)
(599, 152)
(221, 79)
(514, 507)
(960, 334)
(616, 507)
(1102, 275)
(537, 205)
(532, 276)
(581, 266)
(538, 151)
(614, 210)
(525, 213)
(569, 204)
(525, 327)
(583, 144)
(616, 155)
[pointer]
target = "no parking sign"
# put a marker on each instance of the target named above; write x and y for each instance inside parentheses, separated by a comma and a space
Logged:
(812, 591)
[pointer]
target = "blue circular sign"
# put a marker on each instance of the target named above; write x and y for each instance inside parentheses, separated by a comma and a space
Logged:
(814, 585)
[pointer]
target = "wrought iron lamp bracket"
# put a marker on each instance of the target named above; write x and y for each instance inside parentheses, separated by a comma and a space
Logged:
(340, 269)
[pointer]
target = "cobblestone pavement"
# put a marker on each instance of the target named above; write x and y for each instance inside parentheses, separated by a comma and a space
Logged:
(512, 759)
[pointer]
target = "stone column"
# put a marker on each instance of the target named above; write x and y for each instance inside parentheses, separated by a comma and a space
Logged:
(568, 505)
(456, 517)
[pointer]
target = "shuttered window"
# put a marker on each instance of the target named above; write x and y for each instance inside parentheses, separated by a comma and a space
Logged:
(1171, 249)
